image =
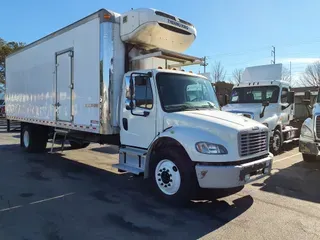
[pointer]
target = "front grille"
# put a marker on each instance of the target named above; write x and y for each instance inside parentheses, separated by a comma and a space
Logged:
(253, 143)
(318, 126)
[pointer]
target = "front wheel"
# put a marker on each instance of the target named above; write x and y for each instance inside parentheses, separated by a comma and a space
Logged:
(309, 158)
(173, 176)
(275, 147)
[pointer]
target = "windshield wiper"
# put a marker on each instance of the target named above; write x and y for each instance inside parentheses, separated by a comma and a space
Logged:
(210, 105)
(180, 107)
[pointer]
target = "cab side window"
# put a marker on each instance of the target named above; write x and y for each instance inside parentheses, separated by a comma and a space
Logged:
(284, 95)
(143, 92)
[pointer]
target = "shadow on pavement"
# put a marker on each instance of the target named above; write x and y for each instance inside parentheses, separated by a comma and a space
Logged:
(141, 214)
(301, 181)
(106, 149)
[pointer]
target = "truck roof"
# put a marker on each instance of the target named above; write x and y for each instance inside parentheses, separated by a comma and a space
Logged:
(175, 71)
(270, 72)
(262, 83)
(104, 15)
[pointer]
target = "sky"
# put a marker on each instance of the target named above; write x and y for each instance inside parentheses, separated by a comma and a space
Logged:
(236, 33)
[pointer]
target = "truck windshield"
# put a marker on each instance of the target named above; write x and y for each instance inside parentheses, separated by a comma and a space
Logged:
(180, 92)
(255, 94)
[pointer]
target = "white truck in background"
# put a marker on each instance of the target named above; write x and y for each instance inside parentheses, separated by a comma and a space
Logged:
(117, 79)
(309, 142)
(264, 97)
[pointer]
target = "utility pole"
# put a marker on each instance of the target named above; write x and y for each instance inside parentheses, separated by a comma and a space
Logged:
(273, 54)
(204, 63)
(290, 73)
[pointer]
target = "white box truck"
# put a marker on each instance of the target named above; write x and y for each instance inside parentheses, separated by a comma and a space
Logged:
(264, 97)
(117, 79)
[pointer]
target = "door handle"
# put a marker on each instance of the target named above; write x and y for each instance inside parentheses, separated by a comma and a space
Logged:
(125, 123)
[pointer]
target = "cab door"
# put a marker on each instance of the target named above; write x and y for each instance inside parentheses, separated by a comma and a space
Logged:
(138, 112)
(286, 110)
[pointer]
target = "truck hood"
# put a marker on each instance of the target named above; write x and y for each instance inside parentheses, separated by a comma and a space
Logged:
(215, 121)
(254, 109)
(251, 108)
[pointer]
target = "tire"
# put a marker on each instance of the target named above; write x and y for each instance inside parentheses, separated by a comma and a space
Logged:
(77, 145)
(275, 143)
(34, 139)
(173, 176)
(309, 158)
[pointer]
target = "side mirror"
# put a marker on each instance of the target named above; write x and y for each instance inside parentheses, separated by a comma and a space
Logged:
(226, 99)
(131, 92)
(290, 97)
(265, 103)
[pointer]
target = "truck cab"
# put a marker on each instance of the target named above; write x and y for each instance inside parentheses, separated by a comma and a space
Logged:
(264, 97)
(309, 141)
(173, 131)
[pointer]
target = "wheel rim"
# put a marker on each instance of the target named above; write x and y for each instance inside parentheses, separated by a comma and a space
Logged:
(276, 142)
(168, 177)
(26, 138)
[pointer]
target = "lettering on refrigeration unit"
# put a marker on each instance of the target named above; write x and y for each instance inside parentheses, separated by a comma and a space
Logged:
(177, 24)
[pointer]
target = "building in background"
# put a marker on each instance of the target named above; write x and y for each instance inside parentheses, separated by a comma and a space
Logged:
(222, 89)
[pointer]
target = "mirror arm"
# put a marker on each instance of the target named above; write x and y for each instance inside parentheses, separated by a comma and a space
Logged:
(262, 113)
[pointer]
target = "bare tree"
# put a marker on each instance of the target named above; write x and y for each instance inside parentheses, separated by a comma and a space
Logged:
(218, 72)
(286, 75)
(237, 75)
(311, 75)
(6, 48)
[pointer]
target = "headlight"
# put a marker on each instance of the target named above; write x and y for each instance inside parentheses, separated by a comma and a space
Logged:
(306, 131)
(210, 148)
(266, 124)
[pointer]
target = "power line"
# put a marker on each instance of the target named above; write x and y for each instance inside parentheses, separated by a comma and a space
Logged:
(231, 54)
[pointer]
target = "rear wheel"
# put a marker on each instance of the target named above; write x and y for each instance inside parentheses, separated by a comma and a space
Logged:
(309, 158)
(34, 138)
(173, 176)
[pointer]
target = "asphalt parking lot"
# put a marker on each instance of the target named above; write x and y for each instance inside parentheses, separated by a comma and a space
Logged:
(78, 195)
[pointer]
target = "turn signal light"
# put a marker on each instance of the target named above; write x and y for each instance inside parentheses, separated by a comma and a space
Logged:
(107, 16)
